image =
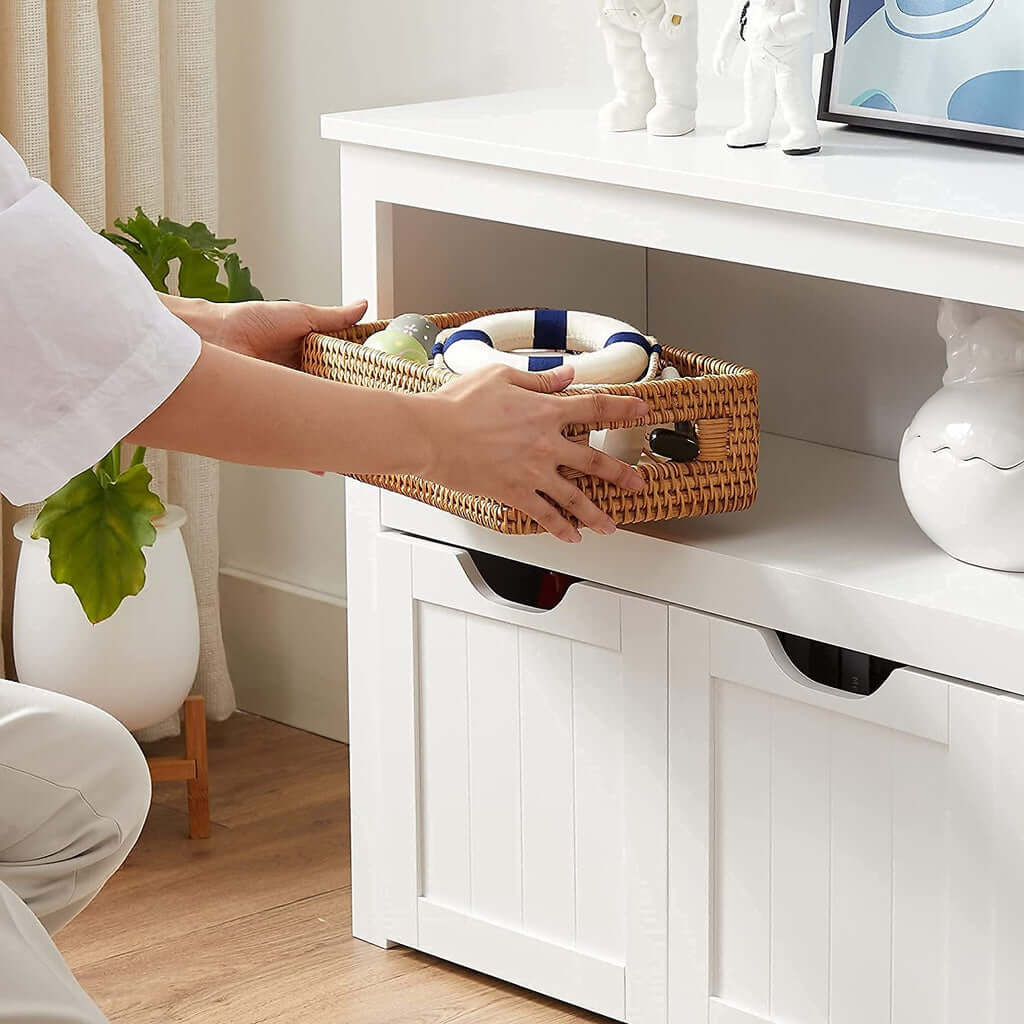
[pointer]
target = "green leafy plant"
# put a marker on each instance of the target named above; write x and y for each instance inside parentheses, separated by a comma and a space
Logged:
(99, 522)
(200, 255)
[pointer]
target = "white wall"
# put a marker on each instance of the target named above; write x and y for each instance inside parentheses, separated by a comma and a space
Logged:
(282, 65)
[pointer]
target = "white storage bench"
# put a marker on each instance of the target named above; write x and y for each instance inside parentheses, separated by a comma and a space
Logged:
(636, 802)
(649, 812)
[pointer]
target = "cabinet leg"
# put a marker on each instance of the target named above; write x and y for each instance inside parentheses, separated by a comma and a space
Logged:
(199, 787)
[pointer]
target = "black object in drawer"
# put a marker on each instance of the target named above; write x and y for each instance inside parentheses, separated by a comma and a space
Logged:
(837, 667)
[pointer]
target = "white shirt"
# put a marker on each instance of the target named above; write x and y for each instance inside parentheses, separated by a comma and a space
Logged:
(87, 350)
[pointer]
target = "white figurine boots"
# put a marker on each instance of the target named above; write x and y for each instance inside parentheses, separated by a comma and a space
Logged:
(782, 37)
(652, 48)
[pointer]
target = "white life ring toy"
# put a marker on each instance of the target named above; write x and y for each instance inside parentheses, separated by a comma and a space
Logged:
(600, 349)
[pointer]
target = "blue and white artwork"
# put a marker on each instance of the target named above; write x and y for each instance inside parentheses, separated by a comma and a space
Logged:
(950, 64)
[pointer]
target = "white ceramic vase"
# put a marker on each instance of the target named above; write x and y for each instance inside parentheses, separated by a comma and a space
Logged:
(139, 664)
(962, 459)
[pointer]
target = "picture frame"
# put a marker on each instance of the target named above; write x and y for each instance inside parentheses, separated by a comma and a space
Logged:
(951, 69)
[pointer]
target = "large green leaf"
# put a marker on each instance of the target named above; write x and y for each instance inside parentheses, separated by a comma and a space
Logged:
(240, 286)
(197, 277)
(151, 248)
(197, 235)
(97, 527)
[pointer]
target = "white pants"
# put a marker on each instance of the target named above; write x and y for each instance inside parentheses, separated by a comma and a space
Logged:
(74, 794)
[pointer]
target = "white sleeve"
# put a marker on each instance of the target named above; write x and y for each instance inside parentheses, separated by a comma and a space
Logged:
(87, 350)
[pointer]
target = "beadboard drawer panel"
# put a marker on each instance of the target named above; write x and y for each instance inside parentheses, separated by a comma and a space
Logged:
(864, 857)
(525, 762)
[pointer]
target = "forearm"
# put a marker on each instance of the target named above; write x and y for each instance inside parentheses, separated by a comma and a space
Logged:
(243, 410)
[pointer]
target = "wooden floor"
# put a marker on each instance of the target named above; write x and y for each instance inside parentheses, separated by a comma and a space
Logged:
(254, 924)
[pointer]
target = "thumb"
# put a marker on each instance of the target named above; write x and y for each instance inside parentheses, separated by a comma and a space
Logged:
(336, 318)
(548, 382)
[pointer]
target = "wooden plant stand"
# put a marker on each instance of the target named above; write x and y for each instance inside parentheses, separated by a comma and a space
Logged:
(192, 769)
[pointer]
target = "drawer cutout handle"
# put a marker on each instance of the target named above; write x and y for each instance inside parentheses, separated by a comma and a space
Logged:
(903, 699)
(526, 586)
(837, 668)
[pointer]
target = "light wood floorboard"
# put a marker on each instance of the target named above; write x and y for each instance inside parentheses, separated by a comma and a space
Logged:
(254, 925)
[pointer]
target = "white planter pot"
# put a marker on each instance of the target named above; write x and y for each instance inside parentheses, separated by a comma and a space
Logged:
(138, 665)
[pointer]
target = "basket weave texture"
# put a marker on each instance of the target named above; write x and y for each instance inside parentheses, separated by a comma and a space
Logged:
(718, 396)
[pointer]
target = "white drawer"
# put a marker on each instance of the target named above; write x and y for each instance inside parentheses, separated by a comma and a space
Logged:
(524, 756)
(862, 857)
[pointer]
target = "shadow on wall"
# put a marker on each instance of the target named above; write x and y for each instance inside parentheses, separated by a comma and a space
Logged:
(549, 269)
(840, 364)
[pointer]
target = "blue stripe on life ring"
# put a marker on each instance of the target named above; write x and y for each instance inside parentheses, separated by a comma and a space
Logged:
(632, 338)
(550, 329)
(537, 363)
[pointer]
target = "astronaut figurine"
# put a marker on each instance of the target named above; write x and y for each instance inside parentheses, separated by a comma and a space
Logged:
(652, 48)
(782, 38)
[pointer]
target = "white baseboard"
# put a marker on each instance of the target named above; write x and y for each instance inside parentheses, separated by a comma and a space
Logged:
(287, 649)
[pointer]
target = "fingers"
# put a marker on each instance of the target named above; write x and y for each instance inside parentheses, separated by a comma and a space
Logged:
(548, 382)
(544, 513)
(593, 462)
(598, 407)
(336, 318)
(576, 503)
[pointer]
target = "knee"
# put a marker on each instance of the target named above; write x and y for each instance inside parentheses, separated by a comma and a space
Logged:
(102, 762)
(81, 787)
(122, 789)
(116, 790)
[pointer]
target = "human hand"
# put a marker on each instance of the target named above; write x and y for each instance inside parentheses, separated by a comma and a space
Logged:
(271, 331)
(498, 433)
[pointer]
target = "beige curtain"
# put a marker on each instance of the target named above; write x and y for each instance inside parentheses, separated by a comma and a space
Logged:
(114, 103)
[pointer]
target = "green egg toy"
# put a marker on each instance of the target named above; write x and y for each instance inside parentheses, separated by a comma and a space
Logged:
(398, 343)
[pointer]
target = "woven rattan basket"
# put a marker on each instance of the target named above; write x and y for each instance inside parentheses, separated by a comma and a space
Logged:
(720, 398)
